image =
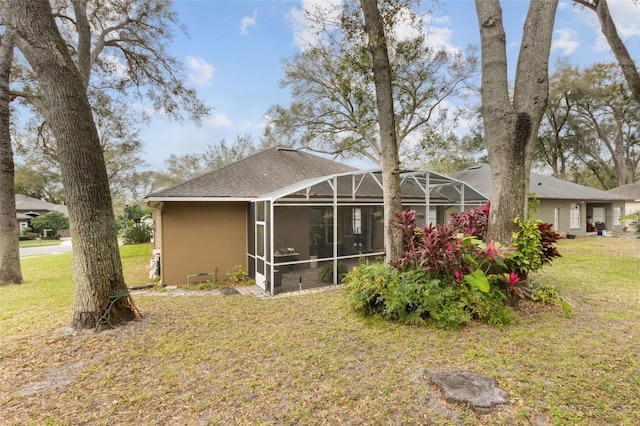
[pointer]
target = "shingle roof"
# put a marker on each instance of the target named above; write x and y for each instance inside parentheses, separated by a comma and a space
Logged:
(26, 203)
(256, 175)
(545, 187)
(631, 190)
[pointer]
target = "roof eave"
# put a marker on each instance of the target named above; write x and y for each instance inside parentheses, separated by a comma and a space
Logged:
(229, 199)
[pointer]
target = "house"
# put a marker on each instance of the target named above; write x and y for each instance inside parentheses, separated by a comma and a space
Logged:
(632, 192)
(29, 207)
(283, 211)
(571, 208)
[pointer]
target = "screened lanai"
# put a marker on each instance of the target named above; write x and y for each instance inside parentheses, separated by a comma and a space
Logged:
(331, 223)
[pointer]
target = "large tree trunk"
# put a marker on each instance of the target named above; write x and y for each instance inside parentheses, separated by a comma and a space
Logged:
(512, 127)
(390, 162)
(628, 66)
(10, 271)
(100, 293)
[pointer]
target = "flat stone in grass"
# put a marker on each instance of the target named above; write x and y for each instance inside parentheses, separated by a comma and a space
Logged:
(480, 392)
(229, 291)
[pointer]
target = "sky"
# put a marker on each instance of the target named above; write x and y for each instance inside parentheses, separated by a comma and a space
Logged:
(234, 50)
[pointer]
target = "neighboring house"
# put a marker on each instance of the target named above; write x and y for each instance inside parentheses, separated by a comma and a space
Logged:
(632, 192)
(28, 207)
(285, 210)
(571, 208)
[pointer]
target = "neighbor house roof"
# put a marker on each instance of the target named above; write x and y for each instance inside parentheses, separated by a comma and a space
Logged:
(545, 187)
(259, 174)
(630, 190)
(26, 203)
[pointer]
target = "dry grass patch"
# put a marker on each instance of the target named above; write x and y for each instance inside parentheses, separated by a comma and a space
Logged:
(309, 360)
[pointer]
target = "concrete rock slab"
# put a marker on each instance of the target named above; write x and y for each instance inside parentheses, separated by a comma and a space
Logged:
(480, 392)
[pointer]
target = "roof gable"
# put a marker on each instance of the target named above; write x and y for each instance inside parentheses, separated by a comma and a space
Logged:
(545, 187)
(259, 174)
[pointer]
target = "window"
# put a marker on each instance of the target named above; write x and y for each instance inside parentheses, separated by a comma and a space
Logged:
(617, 214)
(574, 216)
(357, 221)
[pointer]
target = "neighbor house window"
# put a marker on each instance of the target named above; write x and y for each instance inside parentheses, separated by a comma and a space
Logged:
(617, 214)
(574, 216)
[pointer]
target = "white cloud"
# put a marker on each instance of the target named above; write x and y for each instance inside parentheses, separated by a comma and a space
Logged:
(565, 40)
(201, 71)
(248, 22)
(219, 120)
(309, 21)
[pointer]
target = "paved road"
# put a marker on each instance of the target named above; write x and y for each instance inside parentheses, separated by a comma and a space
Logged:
(35, 251)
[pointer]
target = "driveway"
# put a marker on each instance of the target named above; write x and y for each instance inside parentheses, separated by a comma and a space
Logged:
(65, 247)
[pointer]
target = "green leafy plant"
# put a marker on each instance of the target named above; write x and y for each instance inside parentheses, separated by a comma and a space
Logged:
(238, 276)
(451, 278)
(54, 221)
(139, 233)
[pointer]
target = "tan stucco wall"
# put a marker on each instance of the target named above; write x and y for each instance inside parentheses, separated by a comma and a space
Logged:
(201, 237)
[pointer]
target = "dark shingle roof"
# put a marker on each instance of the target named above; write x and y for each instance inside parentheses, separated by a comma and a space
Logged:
(256, 175)
(545, 187)
(630, 190)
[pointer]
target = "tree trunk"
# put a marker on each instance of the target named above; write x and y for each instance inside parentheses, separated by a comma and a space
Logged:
(100, 293)
(626, 63)
(390, 162)
(512, 127)
(10, 271)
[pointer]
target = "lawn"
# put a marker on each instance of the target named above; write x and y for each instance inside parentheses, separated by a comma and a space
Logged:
(39, 243)
(309, 360)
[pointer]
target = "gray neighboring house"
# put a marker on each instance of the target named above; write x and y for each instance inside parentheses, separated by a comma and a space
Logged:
(632, 192)
(571, 208)
(28, 207)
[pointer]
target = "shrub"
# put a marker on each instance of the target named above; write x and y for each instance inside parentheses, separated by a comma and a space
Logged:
(368, 285)
(451, 278)
(534, 247)
(238, 276)
(139, 233)
(54, 221)
(472, 222)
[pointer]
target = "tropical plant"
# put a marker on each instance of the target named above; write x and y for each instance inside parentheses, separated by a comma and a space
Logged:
(472, 222)
(449, 277)
(139, 233)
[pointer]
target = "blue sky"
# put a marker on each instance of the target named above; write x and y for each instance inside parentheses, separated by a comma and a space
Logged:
(233, 57)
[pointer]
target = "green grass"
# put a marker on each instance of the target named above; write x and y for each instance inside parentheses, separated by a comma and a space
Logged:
(309, 360)
(39, 243)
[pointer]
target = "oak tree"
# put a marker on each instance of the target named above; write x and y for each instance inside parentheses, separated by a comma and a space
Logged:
(511, 123)
(100, 292)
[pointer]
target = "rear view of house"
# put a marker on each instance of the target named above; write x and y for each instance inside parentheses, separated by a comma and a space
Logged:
(282, 211)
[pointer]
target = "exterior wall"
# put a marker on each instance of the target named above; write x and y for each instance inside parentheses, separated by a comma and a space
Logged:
(201, 237)
(631, 207)
(546, 214)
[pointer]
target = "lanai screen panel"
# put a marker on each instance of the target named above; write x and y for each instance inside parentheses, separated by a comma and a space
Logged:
(340, 217)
